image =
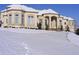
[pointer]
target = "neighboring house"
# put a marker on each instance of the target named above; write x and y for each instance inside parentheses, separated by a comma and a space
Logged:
(26, 17)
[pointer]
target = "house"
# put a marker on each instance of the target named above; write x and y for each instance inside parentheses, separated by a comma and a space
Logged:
(21, 16)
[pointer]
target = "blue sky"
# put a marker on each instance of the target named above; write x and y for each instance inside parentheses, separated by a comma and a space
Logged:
(71, 10)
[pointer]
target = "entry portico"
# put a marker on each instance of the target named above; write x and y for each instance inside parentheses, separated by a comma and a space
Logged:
(50, 21)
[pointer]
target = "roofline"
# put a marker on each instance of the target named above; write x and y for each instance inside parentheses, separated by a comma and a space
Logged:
(48, 13)
(20, 10)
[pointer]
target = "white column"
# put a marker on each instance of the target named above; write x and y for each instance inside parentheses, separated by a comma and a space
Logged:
(58, 23)
(54, 21)
(43, 23)
(19, 20)
(35, 21)
(25, 20)
(49, 22)
(13, 18)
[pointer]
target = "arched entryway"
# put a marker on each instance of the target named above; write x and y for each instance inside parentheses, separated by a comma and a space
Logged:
(54, 23)
(47, 22)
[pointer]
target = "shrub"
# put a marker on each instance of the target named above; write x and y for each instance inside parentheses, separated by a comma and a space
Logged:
(77, 31)
(39, 25)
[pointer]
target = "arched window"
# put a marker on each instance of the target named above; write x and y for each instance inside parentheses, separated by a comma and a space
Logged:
(16, 18)
(29, 20)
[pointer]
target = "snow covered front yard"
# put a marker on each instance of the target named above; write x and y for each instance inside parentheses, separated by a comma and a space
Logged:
(36, 42)
(73, 38)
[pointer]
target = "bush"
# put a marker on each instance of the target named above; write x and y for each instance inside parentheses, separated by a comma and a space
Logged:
(39, 25)
(77, 31)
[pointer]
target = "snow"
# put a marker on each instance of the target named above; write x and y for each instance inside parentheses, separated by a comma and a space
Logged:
(73, 38)
(71, 18)
(17, 30)
(3, 10)
(30, 9)
(65, 17)
(20, 7)
(47, 11)
(35, 42)
(26, 8)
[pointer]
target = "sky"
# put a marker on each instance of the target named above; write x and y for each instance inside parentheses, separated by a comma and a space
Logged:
(71, 10)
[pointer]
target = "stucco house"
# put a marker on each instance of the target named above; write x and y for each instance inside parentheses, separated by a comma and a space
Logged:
(21, 16)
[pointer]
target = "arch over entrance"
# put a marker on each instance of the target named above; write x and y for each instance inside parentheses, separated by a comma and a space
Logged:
(54, 23)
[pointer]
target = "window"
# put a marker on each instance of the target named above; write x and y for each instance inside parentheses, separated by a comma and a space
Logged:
(29, 20)
(32, 17)
(16, 18)
(10, 19)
